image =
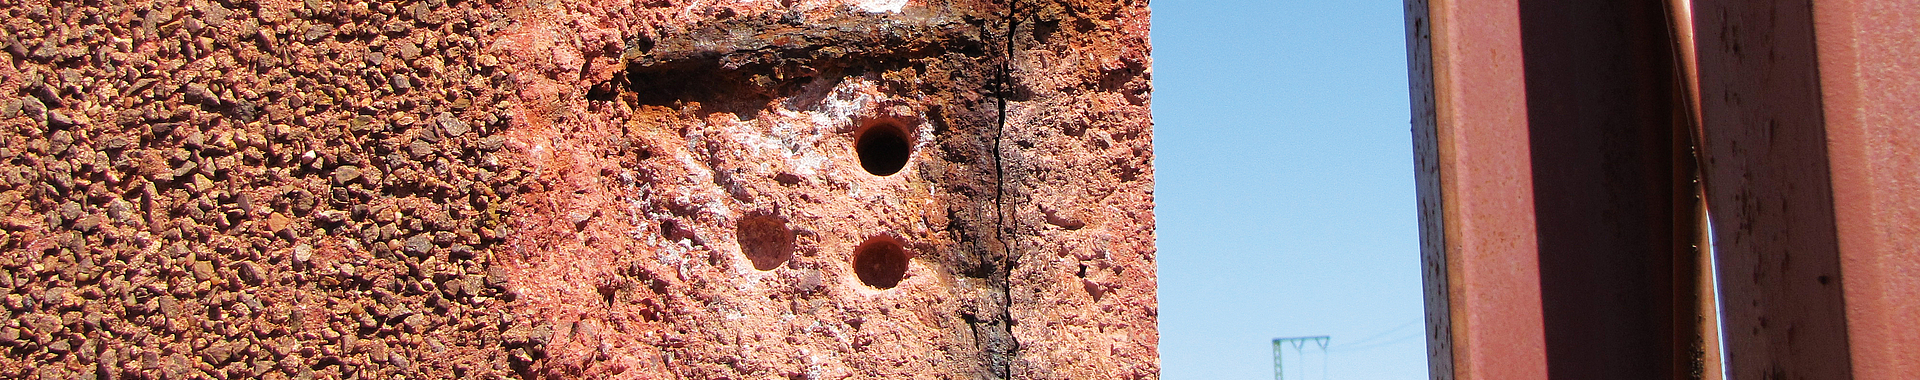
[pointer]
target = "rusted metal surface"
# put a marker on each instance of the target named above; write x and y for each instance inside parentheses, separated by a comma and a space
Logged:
(1426, 157)
(1707, 304)
(1599, 212)
(1612, 185)
(1870, 90)
(1705, 317)
(1472, 146)
(1580, 259)
(1765, 168)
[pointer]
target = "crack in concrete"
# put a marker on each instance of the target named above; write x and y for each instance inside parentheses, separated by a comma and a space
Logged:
(1002, 88)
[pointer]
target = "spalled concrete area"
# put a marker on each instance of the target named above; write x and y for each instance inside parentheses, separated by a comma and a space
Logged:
(580, 189)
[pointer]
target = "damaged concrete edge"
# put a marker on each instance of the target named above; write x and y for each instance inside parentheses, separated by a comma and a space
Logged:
(768, 56)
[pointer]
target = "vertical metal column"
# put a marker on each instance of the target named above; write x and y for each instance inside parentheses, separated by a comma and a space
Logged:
(1279, 368)
(1869, 53)
(1812, 143)
(1557, 200)
(1478, 250)
(1613, 189)
(1769, 190)
(1555, 144)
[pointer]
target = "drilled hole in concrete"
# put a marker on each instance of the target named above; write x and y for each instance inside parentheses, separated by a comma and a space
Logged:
(765, 240)
(883, 149)
(880, 262)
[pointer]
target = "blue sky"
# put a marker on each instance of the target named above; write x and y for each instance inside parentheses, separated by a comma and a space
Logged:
(1285, 187)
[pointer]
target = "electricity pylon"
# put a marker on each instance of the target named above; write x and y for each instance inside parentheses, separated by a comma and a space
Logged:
(1299, 345)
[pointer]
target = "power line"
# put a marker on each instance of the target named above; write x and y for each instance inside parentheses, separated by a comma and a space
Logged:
(1392, 336)
(1390, 342)
(1383, 334)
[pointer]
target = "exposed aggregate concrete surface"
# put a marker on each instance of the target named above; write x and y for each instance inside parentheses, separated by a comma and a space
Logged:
(652, 189)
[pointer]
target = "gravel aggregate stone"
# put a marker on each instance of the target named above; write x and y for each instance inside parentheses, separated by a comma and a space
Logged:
(177, 182)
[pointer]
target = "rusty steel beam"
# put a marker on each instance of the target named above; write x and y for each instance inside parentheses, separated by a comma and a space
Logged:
(1559, 211)
(1613, 189)
(1561, 206)
(1810, 152)
(1869, 53)
(1706, 305)
(1769, 190)
(1478, 249)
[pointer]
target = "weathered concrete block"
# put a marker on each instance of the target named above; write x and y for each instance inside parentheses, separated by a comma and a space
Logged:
(578, 189)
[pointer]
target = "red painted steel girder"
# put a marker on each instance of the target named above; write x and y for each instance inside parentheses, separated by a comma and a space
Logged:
(1768, 189)
(1558, 212)
(1870, 90)
(1478, 250)
(1812, 153)
(1614, 203)
(1809, 147)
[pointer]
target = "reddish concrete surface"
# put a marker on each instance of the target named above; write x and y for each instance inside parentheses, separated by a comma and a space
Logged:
(666, 247)
(1078, 157)
(1870, 94)
(639, 250)
(809, 189)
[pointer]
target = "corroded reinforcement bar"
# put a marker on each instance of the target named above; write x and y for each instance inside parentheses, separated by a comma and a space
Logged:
(747, 60)
(746, 42)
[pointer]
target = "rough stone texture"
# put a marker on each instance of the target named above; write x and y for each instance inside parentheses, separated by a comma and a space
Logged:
(576, 189)
(1079, 182)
